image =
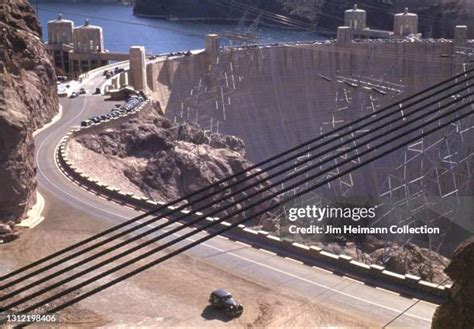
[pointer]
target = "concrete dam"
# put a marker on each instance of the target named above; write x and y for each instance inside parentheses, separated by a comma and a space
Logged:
(281, 97)
(286, 94)
(278, 96)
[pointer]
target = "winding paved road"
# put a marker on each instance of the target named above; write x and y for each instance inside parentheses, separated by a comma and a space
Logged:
(263, 267)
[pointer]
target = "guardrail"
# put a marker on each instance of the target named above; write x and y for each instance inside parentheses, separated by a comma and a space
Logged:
(374, 275)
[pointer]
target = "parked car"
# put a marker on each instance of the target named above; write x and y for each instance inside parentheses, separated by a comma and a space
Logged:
(82, 91)
(73, 95)
(86, 123)
(222, 299)
(97, 91)
(118, 70)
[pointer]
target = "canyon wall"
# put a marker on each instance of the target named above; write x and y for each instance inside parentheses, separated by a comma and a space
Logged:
(28, 100)
(437, 18)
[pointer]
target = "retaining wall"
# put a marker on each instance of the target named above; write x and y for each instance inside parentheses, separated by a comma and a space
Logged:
(375, 275)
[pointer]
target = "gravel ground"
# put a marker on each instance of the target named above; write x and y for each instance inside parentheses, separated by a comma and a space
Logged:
(87, 160)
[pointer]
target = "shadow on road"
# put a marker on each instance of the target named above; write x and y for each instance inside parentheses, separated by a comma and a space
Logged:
(210, 313)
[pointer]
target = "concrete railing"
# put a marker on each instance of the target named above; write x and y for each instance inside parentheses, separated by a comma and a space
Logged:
(374, 275)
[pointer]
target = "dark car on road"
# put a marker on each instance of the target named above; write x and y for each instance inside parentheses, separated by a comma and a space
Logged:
(222, 299)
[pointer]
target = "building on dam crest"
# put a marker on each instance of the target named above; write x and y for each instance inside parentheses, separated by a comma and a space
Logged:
(76, 50)
(355, 26)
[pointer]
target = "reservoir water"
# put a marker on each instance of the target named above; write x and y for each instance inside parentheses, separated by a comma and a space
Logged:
(122, 29)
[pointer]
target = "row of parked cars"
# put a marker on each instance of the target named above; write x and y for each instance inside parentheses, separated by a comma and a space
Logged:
(130, 105)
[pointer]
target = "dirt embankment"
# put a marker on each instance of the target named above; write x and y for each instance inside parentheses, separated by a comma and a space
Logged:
(28, 99)
(153, 157)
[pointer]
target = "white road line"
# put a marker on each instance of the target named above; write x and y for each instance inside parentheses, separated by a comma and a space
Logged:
(223, 237)
(294, 260)
(322, 270)
(428, 303)
(243, 244)
(388, 291)
(267, 251)
(353, 280)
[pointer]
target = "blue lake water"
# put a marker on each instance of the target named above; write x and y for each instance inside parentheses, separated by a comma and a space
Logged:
(122, 29)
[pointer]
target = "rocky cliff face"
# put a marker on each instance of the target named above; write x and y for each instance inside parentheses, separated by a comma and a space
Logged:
(28, 100)
(437, 17)
(167, 161)
(458, 311)
(210, 10)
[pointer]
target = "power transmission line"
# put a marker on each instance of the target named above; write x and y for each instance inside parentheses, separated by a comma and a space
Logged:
(211, 188)
(231, 226)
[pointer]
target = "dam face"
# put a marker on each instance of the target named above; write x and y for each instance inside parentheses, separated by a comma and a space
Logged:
(283, 101)
(277, 97)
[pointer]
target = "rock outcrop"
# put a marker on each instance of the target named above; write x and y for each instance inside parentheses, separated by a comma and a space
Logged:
(458, 311)
(167, 161)
(437, 17)
(408, 258)
(28, 99)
